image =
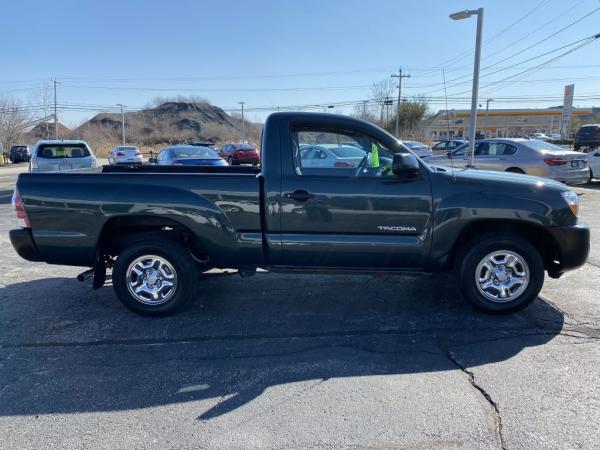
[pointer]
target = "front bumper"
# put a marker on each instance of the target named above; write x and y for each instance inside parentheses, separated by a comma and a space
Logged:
(573, 245)
(22, 241)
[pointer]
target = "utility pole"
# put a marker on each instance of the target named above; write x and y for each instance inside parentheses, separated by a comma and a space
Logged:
(364, 109)
(55, 112)
(122, 122)
(243, 123)
(399, 76)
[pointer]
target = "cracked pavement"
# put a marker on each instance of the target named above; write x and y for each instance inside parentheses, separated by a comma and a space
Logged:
(286, 361)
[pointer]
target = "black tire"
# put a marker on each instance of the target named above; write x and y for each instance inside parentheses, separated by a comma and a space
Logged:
(230, 161)
(515, 170)
(478, 249)
(591, 176)
(182, 263)
(576, 147)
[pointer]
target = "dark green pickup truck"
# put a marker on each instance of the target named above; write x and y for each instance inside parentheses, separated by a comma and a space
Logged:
(332, 194)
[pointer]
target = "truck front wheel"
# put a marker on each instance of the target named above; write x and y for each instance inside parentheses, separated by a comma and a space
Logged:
(154, 278)
(501, 273)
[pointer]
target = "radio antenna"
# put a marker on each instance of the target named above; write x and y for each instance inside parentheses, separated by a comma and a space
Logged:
(448, 121)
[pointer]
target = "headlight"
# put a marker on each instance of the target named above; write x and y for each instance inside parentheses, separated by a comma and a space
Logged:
(572, 200)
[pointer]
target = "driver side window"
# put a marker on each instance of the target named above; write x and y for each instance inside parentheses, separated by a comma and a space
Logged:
(329, 152)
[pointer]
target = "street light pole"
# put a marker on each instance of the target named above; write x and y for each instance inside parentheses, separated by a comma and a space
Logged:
(122, 122)
(464, 15)
(243, 123)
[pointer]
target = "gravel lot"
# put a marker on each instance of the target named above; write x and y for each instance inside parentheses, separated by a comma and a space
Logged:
(286, 361)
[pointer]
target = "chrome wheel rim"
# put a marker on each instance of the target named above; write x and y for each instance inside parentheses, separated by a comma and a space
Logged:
(151, 280)
(502, 276)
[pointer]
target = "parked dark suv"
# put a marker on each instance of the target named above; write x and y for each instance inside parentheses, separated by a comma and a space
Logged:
(588, 136)
(19, 153)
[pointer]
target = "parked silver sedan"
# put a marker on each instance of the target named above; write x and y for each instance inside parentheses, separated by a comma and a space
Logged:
(527, 156)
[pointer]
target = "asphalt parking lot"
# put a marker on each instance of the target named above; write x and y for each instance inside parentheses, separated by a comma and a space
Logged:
(285, 361)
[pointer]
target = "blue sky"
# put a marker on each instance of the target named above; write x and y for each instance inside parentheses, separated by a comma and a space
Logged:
(282, 53)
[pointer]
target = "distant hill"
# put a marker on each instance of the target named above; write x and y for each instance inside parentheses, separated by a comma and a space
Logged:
(45, 130)
(169, 122)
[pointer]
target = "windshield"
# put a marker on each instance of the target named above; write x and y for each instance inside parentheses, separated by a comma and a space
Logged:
(245, 147)
(195, 152)
(53, 151)
(127, 149)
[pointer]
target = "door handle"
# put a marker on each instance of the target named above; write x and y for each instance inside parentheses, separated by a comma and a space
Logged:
(299, 196)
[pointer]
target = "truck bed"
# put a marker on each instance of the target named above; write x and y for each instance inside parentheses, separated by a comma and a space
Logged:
(69, 211)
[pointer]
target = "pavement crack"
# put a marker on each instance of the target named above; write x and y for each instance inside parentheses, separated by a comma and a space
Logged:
(569, 315)
(485, 394)
(593, 264)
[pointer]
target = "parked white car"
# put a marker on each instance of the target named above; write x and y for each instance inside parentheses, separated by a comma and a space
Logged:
(125, 154)
(555, 137)
(331, 155)
(60, 155)
(593, 159)
(539, 136)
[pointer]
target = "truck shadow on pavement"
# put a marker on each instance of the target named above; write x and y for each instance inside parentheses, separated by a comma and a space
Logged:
(68, 349)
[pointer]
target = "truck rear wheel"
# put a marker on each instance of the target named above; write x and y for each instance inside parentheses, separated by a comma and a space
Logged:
(501, 273)
(154, 278)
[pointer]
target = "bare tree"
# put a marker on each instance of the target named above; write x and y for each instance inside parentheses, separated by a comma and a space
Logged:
(14, 121)
(42, 97)
(381, 92)
(366, 111)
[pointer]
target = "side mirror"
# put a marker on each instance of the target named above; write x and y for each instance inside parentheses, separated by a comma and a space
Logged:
(449, 154)
(405, 164)
(152, 160)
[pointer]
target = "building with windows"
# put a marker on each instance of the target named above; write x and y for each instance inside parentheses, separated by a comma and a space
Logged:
(499, 122)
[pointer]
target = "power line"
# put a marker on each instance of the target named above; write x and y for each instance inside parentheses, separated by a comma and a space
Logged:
(462, 77)
(466, 53)
(545, 24)
(589, 38)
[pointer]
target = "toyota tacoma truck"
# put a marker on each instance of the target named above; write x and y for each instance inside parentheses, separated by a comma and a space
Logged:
(372, 207)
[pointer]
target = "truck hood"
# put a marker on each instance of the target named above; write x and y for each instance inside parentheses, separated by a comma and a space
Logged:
(513, 179)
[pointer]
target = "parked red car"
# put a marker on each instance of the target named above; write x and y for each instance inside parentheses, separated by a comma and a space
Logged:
(240, 154)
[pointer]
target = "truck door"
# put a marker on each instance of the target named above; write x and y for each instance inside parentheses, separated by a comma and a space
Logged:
(353, 212)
